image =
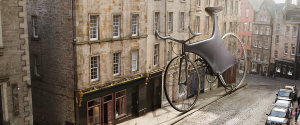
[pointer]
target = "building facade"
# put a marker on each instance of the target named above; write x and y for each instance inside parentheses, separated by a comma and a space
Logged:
(245, 33)
(15, 81)
(113, 60)
(261, 40)
(51, 58)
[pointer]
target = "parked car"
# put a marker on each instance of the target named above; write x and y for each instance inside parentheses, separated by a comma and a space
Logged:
(294, 90)
(284, 94)
(277, 121)
(284, 104)
(279, 115)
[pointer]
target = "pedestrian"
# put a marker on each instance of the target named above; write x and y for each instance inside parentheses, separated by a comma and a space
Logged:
(296, 114)
(298, 100)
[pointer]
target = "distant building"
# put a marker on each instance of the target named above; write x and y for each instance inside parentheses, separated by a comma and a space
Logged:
(15, 81)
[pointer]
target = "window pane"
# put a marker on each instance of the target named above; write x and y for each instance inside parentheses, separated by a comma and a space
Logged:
(94, 103)
(107, 98)
(119, 94)
(91, 117)
(97, 114)
(123, 105)
(118, 107)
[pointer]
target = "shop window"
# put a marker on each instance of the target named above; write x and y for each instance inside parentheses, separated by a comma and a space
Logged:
(290, 71)
(278, 68)
(253, 67)
(120, 104)
(94, 111)
(283, 69)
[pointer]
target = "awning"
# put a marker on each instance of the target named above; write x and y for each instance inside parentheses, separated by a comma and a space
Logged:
(259, 61)
(284, 61)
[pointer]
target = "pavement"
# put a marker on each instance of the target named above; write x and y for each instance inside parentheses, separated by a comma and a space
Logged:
(167, 115)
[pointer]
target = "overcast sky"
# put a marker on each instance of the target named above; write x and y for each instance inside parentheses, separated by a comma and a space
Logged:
(282, 1)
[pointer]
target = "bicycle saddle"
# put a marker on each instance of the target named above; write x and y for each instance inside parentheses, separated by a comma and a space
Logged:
(214, 9)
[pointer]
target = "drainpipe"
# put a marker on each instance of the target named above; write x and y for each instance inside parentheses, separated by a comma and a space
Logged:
(75, 68)
(296, 66)
(270, 48)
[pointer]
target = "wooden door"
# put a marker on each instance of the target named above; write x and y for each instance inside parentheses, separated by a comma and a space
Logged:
(1, 111)
(110, 114)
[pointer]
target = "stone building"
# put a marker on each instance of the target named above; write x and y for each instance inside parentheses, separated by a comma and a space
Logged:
(248, 8)
(284, 40)
(101, 63)
(15, 81)
(262, 38)
(51, 57)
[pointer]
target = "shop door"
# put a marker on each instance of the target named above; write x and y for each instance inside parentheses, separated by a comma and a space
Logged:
(157, 93)
(1, 111)
(134, 101)
(259, 68)
(108, 114)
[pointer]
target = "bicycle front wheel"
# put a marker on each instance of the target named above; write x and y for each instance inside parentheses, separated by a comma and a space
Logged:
(233, 77)
(181, 84)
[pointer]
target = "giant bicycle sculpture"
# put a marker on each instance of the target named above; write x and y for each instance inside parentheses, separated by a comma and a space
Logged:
(181, 76)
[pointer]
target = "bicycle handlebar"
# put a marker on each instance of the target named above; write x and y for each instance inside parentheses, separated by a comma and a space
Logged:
(191, 31)
(168, 37)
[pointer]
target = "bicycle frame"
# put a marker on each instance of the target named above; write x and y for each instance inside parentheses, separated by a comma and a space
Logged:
(212, 50)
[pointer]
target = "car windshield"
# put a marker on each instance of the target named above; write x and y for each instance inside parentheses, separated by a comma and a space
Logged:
(282, 93)
(277, 114)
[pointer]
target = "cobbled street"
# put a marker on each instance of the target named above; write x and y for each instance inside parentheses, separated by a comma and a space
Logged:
(247, 106)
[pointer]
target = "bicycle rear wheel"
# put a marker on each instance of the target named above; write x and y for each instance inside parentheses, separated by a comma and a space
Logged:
(181, 89)
(233, 77)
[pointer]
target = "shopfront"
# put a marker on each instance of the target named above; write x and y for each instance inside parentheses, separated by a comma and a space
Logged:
(284, 69)
(113, 104)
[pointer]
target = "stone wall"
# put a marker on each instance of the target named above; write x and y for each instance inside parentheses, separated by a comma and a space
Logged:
(14, 70)
(53, 86)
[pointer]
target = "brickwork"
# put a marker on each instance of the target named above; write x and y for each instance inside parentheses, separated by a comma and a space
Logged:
(52, 50)
(15, 63)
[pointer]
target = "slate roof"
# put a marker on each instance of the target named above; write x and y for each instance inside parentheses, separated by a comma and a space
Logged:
(255, 4)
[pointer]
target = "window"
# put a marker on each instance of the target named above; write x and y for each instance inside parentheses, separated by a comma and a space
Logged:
(229, 48)
(259, 44)
(294, 31)
(236, 7)
(253, 67)
(235, 27)
(242, 25)
(250, 26)
(293, 49)
(197, 2)
(277, 39)
(36, 65)
(156, 54)
(216, 2)
(278, 26)
(276, 54)
(169, 51)
(255, 43)
(230, 27)
(287, 31)
(249, 53)
(180, 47)
(34, 25)
(206, 24)
(286, 47)
(197, 24)
(207, 2)
(258, 57)
(135, 24)
(135, 57)
(247, 13)
(156, 21)
(116, 26)
(267, 31)
(225, 7)
(94, 111)
(254, 56)
(94, 68)
(261, 31)
(117, 63)
(170, 22)
(224, 30)
(243, 39)
(265, 18)
(245, 26)
(249, 40)
(182, 21)
(231, 6)
(266, 45)
(93, 27)
(256, 30)
(120, 103)
(261, 18)
(265, 58)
